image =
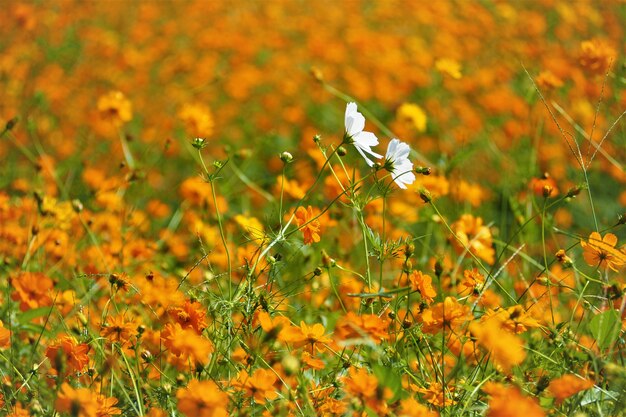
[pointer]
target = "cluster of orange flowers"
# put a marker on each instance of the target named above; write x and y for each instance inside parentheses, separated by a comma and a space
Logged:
(161, 252)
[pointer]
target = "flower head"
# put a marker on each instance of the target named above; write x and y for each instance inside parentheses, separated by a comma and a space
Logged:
(397, 162)
(600, 251)
(362, 141)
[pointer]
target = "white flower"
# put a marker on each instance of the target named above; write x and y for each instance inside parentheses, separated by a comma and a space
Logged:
(397, 162)
(362, 141)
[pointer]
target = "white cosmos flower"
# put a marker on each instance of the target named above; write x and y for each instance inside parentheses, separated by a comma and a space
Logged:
(398, 164)
(362, 141)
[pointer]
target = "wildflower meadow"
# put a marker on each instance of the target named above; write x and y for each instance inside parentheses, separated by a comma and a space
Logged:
(401, 208)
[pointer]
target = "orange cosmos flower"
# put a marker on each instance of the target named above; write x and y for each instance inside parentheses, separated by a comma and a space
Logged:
(83, 402)
(32, 290)
(437, 395)
(186, 343)
(505, 349)
(66, 351)
(117, 329)
(202, 399)
(360, 384)
(115, 107)
(450, 314)
(18, 411)
(509, 402)
(198, 119)
(190, 315)
(306, 335)
(259, 385)
(411, 408)
(599, 251)
(423, 284)
(568, 385)
(596, 56)
(309, 226)
(352, 327)
(5, 336)
(473, 235)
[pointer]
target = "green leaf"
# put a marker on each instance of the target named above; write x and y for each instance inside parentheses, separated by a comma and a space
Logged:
(33, 313)
(605, 328)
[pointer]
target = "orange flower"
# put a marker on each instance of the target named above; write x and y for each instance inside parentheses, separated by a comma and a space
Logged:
(411, 408)
(423, 284)
(190, 315)
(18, 411)
(32, 290)
(83, 402)
(437, 395)
(599, 251)
(596, 56)
(5, 336)
(472, 280)
(115, 107)
(186, 343)
(514, 318)
(450, 314)
(202, 399)
(505, 349)
(352, 327)
(509, 402)
(65, 351)
(568, 385)
(306, 335)
(259, 385)
(310, 227)
(473, 236)
(117, 329)
(360, 384)
(198, 119)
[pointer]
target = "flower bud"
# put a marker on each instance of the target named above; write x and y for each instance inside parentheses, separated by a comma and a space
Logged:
(198, 143)
(77, 205)
(425, 195)
(317, 138)
(341, 151)
(423, 170)
(574, 191)
(11, 124)
(286, 157)
(317, 74)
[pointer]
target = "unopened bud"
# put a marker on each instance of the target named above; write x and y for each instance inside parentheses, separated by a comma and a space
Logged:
(425, 195)
(341, 151)
(317, 138)
(574, 191)
(423, 170)
(286, 157)
(198, 143)
(317, 74)
(77, 205)
(409, 248)
(11, 123)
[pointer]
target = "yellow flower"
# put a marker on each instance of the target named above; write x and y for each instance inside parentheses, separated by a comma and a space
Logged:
(115, 107)
(413, 115)
(450, 67)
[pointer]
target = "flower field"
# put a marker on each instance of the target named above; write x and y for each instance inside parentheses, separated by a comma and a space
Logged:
(312, 208)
